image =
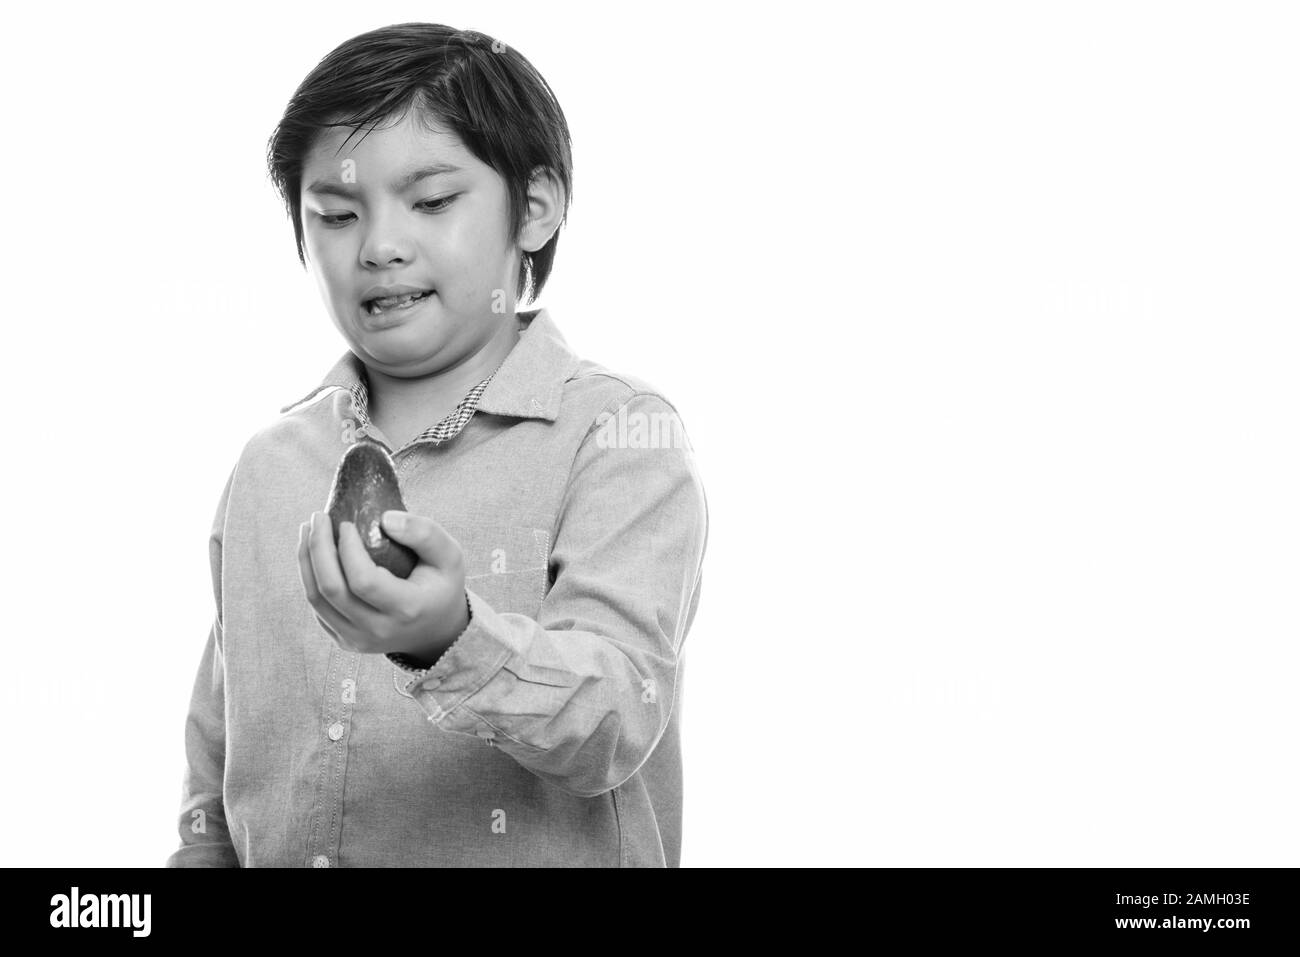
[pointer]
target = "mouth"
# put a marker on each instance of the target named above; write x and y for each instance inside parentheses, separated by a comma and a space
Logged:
(384, 305)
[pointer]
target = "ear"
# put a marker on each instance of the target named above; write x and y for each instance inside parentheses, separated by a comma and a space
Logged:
(545, 209)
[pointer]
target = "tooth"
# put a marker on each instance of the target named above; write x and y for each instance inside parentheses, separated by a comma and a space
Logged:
(397, 300)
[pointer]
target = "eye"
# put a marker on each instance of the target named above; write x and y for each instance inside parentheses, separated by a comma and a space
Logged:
(432, 205)
(437, 205)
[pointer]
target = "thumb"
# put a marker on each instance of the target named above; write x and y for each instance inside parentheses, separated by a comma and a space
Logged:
(422, 535)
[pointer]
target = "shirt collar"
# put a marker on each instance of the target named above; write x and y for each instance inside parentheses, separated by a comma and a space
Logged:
(528, 384)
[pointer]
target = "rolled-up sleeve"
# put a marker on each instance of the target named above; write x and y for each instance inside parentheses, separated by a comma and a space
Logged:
(205, 837)
(581, 695)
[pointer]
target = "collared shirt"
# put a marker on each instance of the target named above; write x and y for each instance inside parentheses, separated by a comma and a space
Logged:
(349, 369)
(549, 733)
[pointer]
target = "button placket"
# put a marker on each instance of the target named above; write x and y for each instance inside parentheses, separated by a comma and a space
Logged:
(327, 809)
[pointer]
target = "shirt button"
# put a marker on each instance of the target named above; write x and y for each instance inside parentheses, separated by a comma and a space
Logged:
(320, 860)
(336, 730)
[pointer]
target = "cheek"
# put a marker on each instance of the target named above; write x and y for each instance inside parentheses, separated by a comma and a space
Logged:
(478, 239)
(328, 261)
(318, 253)
(459, 243)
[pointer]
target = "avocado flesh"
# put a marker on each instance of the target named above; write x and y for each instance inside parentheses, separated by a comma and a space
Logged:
(365, 486)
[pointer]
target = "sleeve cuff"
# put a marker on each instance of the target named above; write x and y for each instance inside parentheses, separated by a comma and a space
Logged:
(470, 663)
(411, 665)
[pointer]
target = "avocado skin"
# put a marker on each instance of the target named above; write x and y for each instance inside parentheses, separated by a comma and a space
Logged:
(365, 486)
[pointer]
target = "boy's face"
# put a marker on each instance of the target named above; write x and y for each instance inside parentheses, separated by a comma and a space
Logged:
(445, 232)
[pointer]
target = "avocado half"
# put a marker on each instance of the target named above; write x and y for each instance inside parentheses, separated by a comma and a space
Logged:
(365, 486)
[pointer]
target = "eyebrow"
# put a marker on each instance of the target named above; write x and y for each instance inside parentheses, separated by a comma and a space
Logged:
(324, 187)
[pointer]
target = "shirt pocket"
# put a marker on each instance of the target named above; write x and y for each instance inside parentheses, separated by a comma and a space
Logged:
(507, 566)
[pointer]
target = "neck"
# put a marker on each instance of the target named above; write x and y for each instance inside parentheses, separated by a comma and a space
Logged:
(411, 404)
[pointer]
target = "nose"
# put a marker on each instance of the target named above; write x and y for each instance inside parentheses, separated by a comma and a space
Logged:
(386, 256)
(382, 254)
(384, 247)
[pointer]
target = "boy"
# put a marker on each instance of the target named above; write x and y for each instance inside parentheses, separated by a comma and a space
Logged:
(515, 701)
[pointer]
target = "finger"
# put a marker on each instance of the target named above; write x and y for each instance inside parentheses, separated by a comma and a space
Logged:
(324, 562)
(375, 585)
(340, 639)
(318, 604)
(429, 540)
(355, 614)
(305, 572)
(334, 635)
(327, 616)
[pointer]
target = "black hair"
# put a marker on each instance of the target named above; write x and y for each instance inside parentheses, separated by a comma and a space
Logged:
(482, 90)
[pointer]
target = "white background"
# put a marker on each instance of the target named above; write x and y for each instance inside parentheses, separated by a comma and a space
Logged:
(982, 321)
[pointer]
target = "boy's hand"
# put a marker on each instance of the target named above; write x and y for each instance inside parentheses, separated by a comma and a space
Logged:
(365, 607)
